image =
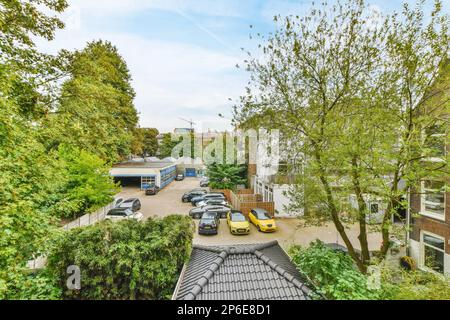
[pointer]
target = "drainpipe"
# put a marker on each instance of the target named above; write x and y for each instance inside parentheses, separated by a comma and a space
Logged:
(408, 220)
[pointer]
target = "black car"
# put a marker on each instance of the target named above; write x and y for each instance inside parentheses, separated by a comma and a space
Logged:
(209, 223)
(207, 196)
(187, 197)
(180, 177)
(151, 190)
(221, 211)
(133, 203)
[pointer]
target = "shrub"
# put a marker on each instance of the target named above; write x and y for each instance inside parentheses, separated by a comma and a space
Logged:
(124, 260)
(333, 273)
(414, 285)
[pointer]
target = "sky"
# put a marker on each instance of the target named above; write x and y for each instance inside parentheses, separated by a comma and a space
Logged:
(182, 54)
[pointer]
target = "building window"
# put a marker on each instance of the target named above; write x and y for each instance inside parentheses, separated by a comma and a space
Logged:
(147, 181)
(433, 252)
(433, 199)
(435, 141)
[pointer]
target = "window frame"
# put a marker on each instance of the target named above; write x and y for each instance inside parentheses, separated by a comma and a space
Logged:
(423, 211)
(422, 251)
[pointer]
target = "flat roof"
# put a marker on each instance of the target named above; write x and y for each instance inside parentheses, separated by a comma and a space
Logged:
(150, 165)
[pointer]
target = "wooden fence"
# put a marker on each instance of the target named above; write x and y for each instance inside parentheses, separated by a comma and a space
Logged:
(245, 200)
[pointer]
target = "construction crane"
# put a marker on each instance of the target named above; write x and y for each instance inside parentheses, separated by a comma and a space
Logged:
(192, 123)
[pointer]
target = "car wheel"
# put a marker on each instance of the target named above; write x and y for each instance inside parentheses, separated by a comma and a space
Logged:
(197, 216)
(259, 229)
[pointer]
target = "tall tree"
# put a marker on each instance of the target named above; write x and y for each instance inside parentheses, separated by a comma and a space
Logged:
(28, 172)
(341, 84)
(96, 110)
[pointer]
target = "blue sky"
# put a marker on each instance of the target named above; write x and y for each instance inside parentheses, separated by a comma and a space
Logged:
(182, 54)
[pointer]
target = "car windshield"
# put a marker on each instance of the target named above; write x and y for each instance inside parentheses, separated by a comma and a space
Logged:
(238, 218)
(263, 216)
(119, 213)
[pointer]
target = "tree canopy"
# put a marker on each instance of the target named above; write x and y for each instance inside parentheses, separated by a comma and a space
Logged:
(351, 92)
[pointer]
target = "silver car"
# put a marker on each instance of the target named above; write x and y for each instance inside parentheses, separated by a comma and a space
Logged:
(122, 214)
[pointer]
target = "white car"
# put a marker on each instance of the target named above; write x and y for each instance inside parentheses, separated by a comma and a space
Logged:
(123, 213)
(216, 202)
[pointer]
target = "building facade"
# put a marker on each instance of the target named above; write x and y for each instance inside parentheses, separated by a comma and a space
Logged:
(143, 173)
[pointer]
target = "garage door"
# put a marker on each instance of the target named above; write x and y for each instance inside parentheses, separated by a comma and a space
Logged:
(191, 172)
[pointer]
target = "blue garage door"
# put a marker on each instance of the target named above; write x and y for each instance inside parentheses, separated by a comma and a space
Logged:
(190, 172)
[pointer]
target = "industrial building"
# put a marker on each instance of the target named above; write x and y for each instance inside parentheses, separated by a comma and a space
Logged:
(142, 173)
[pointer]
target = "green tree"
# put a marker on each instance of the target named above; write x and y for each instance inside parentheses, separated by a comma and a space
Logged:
(149, 141)
(350, 97)
(124, 260)
(87, 184)
(332, 273)
(167, 145)
(96, 111)
(28, 174)
(226, 176)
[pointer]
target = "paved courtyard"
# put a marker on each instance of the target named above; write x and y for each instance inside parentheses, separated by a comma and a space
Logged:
(290, 231)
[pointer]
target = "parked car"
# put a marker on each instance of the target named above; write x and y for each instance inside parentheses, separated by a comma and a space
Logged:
(133, 203)
(152, 190)
(262, 220)
(122, 214)
(180, 177)
(221, 211)
(238, 223)
(217, 202)
(207, 196)
(187, 197)
(209, 223)
(204, 182)
(117, 202)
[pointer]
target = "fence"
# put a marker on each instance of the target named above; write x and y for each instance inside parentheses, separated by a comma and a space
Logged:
(83, 221)
(89, 218)
(245, 200)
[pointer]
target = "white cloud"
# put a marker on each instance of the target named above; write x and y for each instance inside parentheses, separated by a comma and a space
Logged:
(171, 79)
(232, 8)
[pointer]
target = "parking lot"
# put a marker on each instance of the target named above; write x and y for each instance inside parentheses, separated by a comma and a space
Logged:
(290, 231)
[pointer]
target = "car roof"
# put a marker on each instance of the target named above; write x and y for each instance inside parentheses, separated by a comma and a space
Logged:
(209, 213)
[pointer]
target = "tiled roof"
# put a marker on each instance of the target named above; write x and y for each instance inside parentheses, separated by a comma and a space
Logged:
(241, 272)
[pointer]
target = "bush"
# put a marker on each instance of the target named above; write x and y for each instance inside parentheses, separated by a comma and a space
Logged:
(333, 273)
(414, 285)
(124, 260)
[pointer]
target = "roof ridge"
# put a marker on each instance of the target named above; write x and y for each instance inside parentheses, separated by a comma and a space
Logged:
(283, 272)
(238, 248)
(204, 279)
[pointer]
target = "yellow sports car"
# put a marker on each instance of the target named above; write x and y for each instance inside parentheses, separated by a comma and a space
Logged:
(238, 223)
(262, 220)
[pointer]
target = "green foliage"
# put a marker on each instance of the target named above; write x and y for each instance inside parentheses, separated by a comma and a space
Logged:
(28, 174)
(414, 285)
(19, 19)
(96, 111)
(226, 176)
(333, 273)
(353, 98)
(124, 260)
(167, 145)
(34, 286)
(149, 141)
(87, 186)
